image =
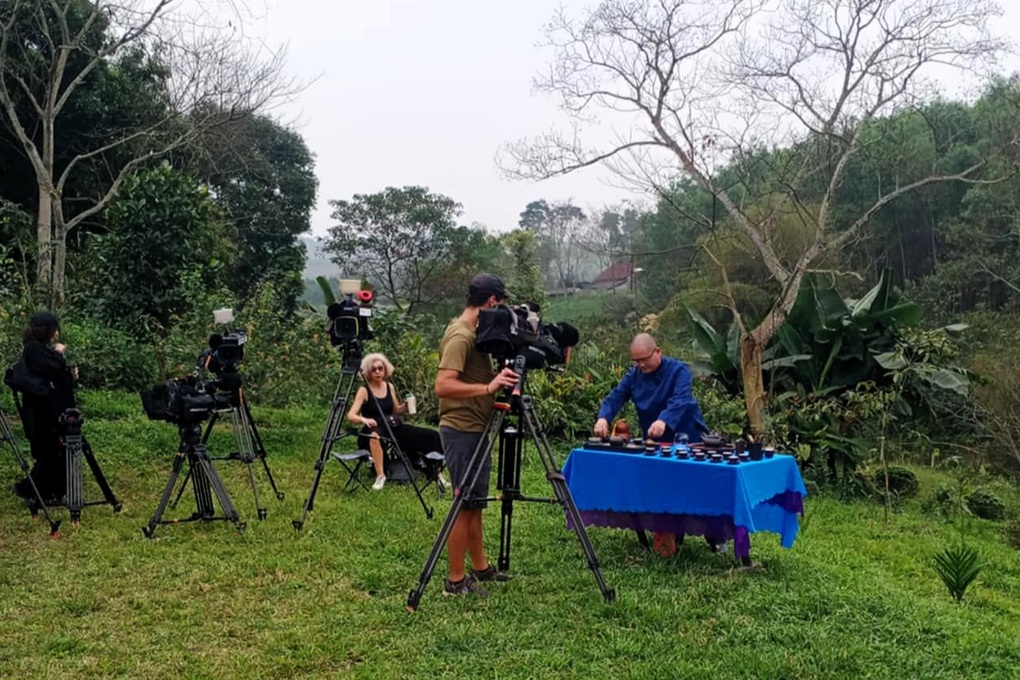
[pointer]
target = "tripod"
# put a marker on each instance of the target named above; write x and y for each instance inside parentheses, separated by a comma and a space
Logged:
(249, 444)
(334, 432)
(76, 448)
(514, 421)
(205, 482)
(7, 435)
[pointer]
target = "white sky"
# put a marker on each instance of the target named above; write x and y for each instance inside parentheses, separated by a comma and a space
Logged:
(425, 92)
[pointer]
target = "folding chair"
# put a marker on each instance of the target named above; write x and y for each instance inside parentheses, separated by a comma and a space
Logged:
(353, 462)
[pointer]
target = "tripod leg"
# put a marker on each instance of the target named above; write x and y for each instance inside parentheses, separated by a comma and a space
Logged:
(150, 529)
(37, 503)
(74, 484)
(100, 478)
(562, 492)
(470, 476)
(246, 453)
(260, 450)
(509, 483)
(200, 486)
(184, 485)
(213, 481)
(329, 435)
(408, 468)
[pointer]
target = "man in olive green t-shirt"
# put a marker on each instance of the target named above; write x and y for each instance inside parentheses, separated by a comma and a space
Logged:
(466, 385)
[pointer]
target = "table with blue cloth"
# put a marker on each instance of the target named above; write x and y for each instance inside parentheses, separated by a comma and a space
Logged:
(664, 494)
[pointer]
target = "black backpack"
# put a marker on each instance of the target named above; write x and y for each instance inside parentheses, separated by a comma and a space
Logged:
(20, 379)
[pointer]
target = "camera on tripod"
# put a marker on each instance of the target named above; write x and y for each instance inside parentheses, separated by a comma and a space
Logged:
(349, 319)
(508, 332)
(182, 401)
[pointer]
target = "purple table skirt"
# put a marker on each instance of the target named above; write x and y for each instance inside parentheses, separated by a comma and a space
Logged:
(718, 527)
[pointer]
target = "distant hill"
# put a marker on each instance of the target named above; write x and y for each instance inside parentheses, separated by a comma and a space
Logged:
(317, 263)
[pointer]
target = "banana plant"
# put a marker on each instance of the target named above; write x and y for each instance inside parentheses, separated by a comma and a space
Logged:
(719, 356)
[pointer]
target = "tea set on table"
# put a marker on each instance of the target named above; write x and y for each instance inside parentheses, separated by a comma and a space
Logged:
(713, 448)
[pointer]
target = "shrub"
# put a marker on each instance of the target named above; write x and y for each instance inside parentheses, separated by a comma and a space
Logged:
(944, 501)
(107, 359)
(986, 505)
(902, 482)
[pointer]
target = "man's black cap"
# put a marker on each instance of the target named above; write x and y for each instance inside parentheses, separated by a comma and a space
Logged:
(44, 320)
(486, 285)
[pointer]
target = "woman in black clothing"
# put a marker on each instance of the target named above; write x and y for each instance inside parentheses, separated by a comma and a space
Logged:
(44, 358)
(414, 441)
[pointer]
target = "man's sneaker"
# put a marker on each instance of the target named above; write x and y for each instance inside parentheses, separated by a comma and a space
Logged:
(466, 586)
(491, 574)
(380, 482)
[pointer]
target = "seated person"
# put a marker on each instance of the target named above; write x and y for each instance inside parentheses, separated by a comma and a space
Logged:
(44, 359)
(414, 441)
(660, 388)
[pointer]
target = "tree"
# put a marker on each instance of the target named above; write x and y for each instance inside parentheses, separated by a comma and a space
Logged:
(263, 176)
(50, 50)
(710, 84)
(557, 228)
(402, 240)
(164, 249)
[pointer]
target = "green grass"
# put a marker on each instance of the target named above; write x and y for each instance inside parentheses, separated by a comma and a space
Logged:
(855, 597)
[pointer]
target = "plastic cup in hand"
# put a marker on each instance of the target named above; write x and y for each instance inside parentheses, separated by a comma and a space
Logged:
(412, 403)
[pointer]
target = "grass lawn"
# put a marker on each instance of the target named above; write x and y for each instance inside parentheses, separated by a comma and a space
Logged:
(855, 597)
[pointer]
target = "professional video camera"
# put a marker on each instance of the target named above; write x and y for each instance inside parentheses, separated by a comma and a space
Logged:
(348, 323)
(226, 350)
(507, 332)
(182, 401)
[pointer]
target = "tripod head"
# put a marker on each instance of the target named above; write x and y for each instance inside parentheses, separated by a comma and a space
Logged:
(351, 353)
(70, 421)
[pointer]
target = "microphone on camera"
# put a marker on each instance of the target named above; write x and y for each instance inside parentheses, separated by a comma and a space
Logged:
(215, 340)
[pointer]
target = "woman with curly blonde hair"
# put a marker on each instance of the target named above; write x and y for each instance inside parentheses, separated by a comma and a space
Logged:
(378, 399)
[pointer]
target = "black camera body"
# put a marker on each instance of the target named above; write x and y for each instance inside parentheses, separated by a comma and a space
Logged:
(508, 332)
(225, 353)
(349, 320)
(182, 401)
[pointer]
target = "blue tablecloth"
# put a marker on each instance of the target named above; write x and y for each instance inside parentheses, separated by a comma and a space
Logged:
(753, 496)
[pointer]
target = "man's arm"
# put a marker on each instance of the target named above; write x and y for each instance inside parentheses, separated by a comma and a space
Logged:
(615, 400)
(681, 400)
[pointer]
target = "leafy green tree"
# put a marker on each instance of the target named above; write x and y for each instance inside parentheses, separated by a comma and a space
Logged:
(263, 177)
(523, 274)
(164, 252)
(50, 55)
(401, 239)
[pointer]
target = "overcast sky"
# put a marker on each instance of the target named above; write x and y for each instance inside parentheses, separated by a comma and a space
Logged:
(425, 91)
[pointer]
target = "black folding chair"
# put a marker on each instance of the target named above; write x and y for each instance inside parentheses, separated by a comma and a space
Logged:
(353, 462)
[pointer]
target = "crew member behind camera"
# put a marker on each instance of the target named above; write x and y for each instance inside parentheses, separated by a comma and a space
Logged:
(45, 362)
(414, 441)
(466, 386)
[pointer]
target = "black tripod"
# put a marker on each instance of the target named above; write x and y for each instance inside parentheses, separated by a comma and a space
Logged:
(334, 431)
(515, 420)
(75, 449)
(249, 444)
(205, 482)
(37, 503)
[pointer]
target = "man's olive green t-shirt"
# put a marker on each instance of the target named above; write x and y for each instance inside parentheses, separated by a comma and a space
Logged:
(457, 352)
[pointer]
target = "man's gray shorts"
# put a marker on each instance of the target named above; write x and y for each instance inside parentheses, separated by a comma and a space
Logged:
(458, 447)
